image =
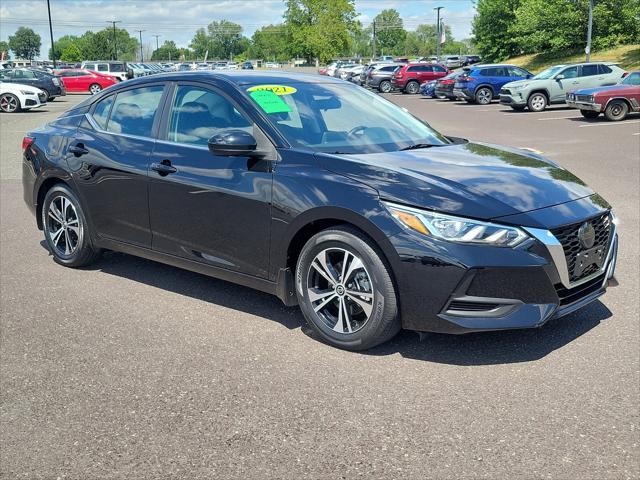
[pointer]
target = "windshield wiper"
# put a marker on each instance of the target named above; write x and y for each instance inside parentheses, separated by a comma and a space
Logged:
(418, 145)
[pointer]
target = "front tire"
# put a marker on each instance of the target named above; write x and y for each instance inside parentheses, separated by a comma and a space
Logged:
(591, 114)
(47, 95)
(616, 110)
(95, 88)
(65, 228)
(537, 102)
(9, 103)
(385, 86)
(345, 290)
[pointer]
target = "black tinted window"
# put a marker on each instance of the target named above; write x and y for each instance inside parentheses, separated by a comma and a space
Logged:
(101, 111)
(588, 70)
(197, 114)
(438, 68)
(134, 110)
(388, 69)
(603, 69)
(491, 72)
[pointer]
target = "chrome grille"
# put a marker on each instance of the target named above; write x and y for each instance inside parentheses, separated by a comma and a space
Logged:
(584, 98)
(568, 237)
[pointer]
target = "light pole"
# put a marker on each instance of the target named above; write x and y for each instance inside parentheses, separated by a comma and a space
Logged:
(589, 30)
(437, 9)
(53, 47)
(141, 55)
(115, 41)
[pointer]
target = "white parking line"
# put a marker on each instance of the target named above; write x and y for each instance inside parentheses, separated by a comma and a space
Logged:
(636, 133)
(560, 118)
(609, 124)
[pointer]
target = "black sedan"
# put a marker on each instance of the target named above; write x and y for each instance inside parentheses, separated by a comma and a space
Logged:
(323, 194)
(50, 84)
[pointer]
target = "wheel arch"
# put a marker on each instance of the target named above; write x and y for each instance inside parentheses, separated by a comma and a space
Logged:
(46, 185)
(543, 91)
(623, 99)
(484, 85)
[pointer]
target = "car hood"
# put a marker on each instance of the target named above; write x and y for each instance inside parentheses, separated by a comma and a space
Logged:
(17, 87)
(473, 179)
(519, 83)
(592, 91)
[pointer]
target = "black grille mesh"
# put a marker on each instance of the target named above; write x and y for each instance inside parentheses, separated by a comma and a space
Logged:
(568, 237)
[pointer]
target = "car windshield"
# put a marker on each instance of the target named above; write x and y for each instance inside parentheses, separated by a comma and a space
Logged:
(548, 73)
(338, 118)
(631, 79)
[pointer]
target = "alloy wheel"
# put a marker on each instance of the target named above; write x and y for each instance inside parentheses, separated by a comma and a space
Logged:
(413, 87)
(483, 96)
(340, 290)
(95, 88)
(537, 102)
(8, 103)
(63, 226)
(385, 87)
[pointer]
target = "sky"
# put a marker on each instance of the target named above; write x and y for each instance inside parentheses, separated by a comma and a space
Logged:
(178, 20)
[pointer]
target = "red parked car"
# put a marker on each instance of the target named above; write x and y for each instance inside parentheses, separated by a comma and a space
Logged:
(615, 101)
(409, 77)
(83, 80)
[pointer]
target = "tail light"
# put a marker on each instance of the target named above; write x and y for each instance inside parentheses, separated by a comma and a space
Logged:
(26, 143)
(398, 75)
(463, 78)
(625, 74)
(448, 81)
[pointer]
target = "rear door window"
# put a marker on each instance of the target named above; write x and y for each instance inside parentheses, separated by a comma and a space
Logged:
(103, 67)
(134, 111)
(589, 70)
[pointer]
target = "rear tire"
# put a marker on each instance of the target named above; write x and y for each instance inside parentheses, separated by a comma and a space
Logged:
(591, 114)
(65, 228)
(484, 96)
(537, 102)
(94, 88)
(412, 87)
(616, 110)
(385, 86)
(331, 304)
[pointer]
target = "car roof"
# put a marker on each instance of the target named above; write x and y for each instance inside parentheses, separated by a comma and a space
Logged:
(240, 77)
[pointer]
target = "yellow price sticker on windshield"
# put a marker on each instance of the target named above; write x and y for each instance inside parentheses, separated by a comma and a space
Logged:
(277, 89)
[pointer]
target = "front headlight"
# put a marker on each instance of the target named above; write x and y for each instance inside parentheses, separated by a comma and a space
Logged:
(519, 87)
(27, 92)
(456, 229)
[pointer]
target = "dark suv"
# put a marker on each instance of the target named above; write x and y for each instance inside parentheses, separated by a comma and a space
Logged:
(321, 193)
(408, 78)
(50, 84)
(379, 77)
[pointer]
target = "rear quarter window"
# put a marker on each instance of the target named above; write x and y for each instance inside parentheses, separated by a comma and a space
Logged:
(603, 69)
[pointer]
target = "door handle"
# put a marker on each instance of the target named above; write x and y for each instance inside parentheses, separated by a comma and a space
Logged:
(78, 150)
(164, 168)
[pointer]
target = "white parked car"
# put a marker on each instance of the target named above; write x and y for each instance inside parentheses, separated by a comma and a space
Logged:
(272, 65)
(15, 97)
(232, 66)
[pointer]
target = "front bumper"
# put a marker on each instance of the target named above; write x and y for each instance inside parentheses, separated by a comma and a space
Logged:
(596, 107)
(512, 99)
(452, 288)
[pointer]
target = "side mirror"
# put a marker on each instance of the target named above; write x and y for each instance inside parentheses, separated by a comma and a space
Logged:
(559, 77)
(233, 143)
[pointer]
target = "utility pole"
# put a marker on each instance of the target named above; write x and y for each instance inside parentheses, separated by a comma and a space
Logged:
(589, 29)
(115, 41)
(157, 45)
(141, 55)
(53, 49)
(373, 56)
(438, 34)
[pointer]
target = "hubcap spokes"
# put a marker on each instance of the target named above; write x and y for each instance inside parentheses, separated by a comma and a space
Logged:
(8, 104)
(63, 225)
(340, 290)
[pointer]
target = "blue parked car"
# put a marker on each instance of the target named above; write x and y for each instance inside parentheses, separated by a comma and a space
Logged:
(482, 83)
(428, 89)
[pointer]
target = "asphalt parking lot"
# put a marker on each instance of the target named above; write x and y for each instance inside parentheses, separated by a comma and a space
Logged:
(132, 369)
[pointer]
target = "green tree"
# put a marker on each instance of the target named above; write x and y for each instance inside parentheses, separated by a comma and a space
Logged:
(270, 43)
(320, 29)
(225, 37)
(100, 45)
(493, 29)
(361, 41)
(71, 53)
(25, 43)
(200, 44)
(167, 51)
(390, 33)
(4, 50)
(62, 44)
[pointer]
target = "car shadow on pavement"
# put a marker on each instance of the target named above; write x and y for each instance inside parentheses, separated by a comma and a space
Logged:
(491, 348)
(487, 348)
